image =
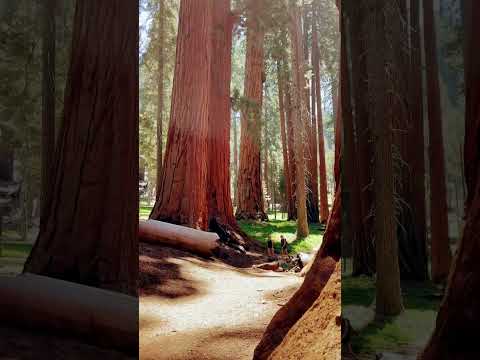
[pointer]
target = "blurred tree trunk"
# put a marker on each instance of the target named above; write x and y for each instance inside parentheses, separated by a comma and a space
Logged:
(160, 91)
(48, 99)
(291, 146)
(89, 229)
(458, 321)
(441, 257)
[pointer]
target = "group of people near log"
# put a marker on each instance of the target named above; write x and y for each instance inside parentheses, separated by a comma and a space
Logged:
(283, 246)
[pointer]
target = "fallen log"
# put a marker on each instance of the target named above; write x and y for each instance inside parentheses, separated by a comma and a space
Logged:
(108, 319)
(197, 241)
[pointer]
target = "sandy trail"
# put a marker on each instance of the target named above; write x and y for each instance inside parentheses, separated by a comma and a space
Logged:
(206, 309)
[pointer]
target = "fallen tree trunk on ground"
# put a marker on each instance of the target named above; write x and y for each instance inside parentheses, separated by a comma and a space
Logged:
(197, 241)
(321, 269)
(325, 342)
(98, 316)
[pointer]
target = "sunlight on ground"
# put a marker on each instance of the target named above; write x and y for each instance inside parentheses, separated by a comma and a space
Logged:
(261, 230)
(407, 332)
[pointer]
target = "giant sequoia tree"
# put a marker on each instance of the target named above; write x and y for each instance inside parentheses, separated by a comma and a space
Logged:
(458, 321)
(195, 182)
(89, 227)
(249, 183)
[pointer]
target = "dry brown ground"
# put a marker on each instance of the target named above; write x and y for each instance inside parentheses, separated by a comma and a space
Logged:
(192, 308)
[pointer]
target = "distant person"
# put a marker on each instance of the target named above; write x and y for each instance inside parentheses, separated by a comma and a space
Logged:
(270, 251)
(284, 245)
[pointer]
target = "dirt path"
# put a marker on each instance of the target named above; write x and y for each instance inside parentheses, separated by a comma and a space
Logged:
(197, 309)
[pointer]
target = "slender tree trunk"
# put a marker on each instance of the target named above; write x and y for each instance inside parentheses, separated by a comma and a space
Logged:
(458, 321)
(298, 113)
(48, 98)
(249, 186)
(291, 147)
(441, 257)
(286, 164)
(88, 232)
(322, 168)
(388, 292)
(160, 91)
(416, 156)
(235, 157)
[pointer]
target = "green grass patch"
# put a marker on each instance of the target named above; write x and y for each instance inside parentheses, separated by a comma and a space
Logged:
(144, 210)
(410, 330)
(275, 228)
(15, 250)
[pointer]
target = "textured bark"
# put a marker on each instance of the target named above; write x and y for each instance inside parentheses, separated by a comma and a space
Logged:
(182, 198)
(364, 253)
(441, 257)
(218, 176)
(48, 98)
(286, 165)
(458, 321)
(322, 169)
(388, 292)
(195, 182)
(235, 158)
(298, 114)
(314, 155)
(88, 233)
(249, 185)
(315, 280)
(160, 91)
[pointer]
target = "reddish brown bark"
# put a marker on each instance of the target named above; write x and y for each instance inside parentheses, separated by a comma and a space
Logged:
(440, 252)
(249, 184)
(218, 178)
(88, 232)
(322, 168)
(315, 280)
(458, 322)
(195, 182)
(182, 198)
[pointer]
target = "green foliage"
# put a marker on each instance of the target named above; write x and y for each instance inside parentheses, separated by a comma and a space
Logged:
(16, 250)
(274, 228)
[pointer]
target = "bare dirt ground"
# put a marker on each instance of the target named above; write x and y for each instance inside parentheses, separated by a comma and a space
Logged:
(198, 309)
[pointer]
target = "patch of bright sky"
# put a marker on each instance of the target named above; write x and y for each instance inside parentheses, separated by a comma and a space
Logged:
(145, 21)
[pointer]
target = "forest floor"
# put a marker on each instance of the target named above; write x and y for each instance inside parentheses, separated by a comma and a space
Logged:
(206, 309)
(401, 337)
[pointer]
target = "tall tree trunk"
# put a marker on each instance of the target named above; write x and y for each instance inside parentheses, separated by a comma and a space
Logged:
(48, 98)
(182, 198)
(441, 257)
(322, 168)
(458, 321)
(299, 113)
(291, 146)
(235, 157)
(249, 186)
(388, 292)
(88, 233)
(286, 164)
(219, 191)
(160, 91)
(416, 153)
(195, 183)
